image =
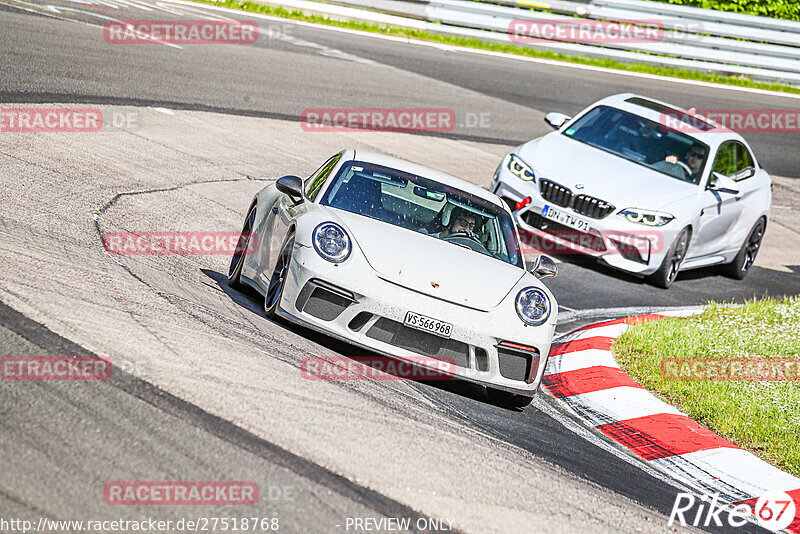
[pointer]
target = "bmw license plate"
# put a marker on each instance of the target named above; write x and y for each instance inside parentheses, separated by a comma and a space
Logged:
(427, 324)
(565, 218)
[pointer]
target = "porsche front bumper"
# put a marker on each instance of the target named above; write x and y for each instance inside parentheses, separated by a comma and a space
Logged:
(321, 295)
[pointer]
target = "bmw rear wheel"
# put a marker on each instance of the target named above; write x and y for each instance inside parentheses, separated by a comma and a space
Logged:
(744, 260)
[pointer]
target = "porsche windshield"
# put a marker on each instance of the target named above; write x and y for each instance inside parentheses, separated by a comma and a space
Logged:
(425, 206)
(641, 141)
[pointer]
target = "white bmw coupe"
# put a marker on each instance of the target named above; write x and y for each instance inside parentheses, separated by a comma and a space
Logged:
(404, 261)
(644, 186)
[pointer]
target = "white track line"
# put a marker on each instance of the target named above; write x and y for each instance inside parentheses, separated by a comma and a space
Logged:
(54, 10)
(618, 404)
(582, 359)
(741, 469)
(590, 435)
(629, 310)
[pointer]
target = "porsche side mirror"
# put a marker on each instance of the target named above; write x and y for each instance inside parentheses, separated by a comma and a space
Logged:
(544, 267)
(292, 186)
(722, 184)
(556, 120)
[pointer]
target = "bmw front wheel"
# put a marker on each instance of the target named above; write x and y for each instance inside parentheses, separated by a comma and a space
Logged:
(671, 265)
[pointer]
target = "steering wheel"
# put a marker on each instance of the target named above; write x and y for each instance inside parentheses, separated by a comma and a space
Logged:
(685, 167)
(467, 236)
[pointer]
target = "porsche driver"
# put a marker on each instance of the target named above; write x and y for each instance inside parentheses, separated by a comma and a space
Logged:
(461, 221)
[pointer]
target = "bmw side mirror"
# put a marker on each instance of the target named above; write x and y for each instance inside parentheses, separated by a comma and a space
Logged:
(544, 267)
(292, 186)
(745, 173)
(722, 184)
(556, 120)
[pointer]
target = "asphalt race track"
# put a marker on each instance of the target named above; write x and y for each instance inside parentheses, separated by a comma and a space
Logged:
(205, 387)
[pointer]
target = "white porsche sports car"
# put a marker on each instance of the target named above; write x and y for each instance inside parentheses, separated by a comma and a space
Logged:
(645, 186)
(406, 262)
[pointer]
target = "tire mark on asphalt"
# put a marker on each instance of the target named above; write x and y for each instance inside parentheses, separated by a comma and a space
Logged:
(58, 98)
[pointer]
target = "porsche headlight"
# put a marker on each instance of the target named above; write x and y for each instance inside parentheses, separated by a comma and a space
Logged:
(533, 306)
(519, 168)
(646, 217)
(331, 242)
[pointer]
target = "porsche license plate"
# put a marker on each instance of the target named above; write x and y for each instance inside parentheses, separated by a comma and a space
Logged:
(427, 324)
(565, 218)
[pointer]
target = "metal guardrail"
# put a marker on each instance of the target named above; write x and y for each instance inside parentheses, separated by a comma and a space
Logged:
(691, 38)
(682, 38)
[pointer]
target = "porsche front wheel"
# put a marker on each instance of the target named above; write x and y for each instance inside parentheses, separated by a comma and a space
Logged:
(505, 398)
(278, 280)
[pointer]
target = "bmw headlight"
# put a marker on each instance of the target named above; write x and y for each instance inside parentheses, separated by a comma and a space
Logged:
(519, 168)
(646, 217)
(331, 242)
(533, 306)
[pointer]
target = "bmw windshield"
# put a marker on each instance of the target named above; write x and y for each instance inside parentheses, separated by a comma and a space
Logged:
(425, 206)
(641, 141)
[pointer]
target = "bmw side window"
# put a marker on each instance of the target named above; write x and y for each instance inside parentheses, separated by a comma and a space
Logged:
(745, 167)
(316, 180)
(725, 162)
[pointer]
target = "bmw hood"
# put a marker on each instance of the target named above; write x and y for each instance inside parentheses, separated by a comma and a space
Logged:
(602, 175)
(431, 266)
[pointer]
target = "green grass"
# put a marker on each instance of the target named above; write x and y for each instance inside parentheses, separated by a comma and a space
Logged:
(422, 35)
(779, 9)
(762, 417)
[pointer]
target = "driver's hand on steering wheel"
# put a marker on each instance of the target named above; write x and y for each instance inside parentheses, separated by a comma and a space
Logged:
(671, 159)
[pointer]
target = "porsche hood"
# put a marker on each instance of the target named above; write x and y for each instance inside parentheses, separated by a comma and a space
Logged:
(431, 266)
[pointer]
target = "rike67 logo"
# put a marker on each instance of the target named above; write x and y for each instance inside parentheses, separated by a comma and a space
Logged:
(775, 511)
